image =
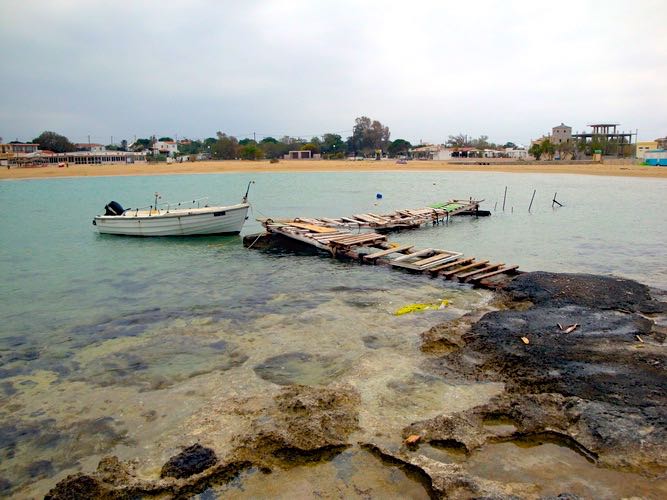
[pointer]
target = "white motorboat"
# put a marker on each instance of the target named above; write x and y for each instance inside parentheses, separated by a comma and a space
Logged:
(181, 219)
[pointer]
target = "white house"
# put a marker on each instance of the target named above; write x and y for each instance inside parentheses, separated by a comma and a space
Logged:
(165, 147)
(518, 154)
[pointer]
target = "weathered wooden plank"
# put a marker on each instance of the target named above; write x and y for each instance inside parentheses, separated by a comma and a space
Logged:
(312, 227)
(366, 218)
(438, 262)
(485, 269)
(355, 237)
(331, 221)
(389, 251)
(449, 265)
(329, 235)
(493, 273)
(414, 254)
(371, 237)
(405, 265)
(438, 256)
(353, 221)
(449, 274)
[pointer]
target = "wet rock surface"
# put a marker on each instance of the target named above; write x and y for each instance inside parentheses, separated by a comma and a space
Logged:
(600, 292)
(192, 460)
(599, 389)
(447, 480)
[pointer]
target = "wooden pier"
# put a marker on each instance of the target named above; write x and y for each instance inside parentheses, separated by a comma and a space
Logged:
(399, 219)
(374, 248)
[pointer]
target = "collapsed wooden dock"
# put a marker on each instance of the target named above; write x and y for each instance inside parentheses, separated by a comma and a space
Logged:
(398, 219)
(374, 248)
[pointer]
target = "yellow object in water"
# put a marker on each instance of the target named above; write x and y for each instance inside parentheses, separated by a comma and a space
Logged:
(421, 307)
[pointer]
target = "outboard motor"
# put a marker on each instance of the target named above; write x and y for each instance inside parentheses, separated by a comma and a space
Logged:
(113, 208)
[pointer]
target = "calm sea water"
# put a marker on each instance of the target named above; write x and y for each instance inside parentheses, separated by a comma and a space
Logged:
(127, 345)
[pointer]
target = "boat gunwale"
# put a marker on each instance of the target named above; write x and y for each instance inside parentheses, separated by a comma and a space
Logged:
(179, 212)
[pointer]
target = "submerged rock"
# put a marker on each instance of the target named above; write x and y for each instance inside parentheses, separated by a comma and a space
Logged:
(192, 460)
(301, 368)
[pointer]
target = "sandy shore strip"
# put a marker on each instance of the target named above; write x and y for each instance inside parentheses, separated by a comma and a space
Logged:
(237, 166)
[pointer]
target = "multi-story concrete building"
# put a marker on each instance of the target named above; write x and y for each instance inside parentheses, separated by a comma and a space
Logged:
(561, 134)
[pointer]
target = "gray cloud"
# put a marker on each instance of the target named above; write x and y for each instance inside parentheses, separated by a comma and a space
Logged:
(427, 69)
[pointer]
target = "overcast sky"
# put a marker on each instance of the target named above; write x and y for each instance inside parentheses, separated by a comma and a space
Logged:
(427, 69)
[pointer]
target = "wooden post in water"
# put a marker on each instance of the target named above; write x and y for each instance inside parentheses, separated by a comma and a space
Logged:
(504, 198)
(554, 201)
(531, 200)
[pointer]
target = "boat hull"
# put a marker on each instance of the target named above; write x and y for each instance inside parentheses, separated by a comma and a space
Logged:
(206, 221)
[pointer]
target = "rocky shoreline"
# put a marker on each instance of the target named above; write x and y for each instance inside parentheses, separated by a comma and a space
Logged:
(597, 388)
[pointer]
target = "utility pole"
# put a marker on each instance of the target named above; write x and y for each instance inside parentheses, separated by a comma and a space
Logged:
(88, 140)
(254, 138)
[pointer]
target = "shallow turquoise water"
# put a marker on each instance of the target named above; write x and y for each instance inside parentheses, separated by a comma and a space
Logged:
(96, 329)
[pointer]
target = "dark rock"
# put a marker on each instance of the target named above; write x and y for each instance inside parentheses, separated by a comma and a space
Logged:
(80, 486)
(602, 292)
(192, 460)
(598, 361)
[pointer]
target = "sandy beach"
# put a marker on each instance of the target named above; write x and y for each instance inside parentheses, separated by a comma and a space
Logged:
(214, 167)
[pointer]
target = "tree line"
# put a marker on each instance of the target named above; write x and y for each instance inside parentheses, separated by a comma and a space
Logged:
(369, 138)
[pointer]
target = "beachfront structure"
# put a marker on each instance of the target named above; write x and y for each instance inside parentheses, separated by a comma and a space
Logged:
(644, 146)
(20, 148)
(45, 158)
(656, 157)
(431, 152)
(607, 138)
(305, 154)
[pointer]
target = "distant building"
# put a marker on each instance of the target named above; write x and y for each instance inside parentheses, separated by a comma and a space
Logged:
(644, 146)
(561, 134)
(431, 152)
(90, 147)
(169, 148)
(606, 135)
(305, 154)
(517, 154)
(14, 148)
(662, 142)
